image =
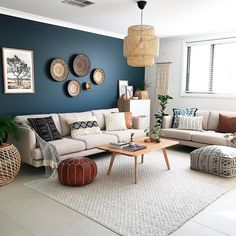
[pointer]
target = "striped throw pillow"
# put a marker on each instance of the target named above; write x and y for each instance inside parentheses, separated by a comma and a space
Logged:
(190, 123)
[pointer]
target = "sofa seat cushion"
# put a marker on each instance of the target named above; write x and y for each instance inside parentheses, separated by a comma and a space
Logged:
(63, 146)
(124, 135)
(94, 140)
(209, 137)
(179, 134)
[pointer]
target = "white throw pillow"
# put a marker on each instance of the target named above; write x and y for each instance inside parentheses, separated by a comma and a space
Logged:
(190, 123)
(81, 126)
(115, 121)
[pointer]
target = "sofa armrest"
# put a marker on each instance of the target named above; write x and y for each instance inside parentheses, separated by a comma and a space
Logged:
(137, 122)
(167, 121)
(25, 144)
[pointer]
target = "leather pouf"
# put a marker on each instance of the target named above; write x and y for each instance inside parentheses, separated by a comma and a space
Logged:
(77, 171)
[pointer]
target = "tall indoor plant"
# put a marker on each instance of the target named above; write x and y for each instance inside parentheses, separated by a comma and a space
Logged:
(8, 128)
(163, 100)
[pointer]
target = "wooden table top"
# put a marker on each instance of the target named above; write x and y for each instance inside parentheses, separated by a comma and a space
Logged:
(152, 146)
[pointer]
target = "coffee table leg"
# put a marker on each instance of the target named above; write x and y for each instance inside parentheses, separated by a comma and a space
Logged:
(142, 158)
(135, 169)
(166, 158)
(111, 163)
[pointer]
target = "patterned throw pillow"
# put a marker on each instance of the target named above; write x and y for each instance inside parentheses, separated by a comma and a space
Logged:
(190, 123)
(182, 112)
(115, 121)
(81, 126)
(45, 128)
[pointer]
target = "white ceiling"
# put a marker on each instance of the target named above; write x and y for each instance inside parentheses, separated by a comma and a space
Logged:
(169, 17)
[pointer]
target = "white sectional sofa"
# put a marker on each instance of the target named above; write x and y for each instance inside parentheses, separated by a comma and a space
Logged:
(192, 138)
(68, 147)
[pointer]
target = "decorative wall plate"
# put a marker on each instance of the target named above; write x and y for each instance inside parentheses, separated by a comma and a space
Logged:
(74, 88)
(81, 65)
(59, 69)
(88, 85)
(99, 76)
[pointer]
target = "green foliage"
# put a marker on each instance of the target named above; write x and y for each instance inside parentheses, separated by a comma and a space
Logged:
(8, 127)
(156, 131)
(163, 100)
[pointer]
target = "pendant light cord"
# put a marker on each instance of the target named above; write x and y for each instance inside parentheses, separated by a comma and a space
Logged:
(141, 38)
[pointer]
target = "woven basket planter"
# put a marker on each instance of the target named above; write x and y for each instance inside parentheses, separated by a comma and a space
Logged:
(10, 161)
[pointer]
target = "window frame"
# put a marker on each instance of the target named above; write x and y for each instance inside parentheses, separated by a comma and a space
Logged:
(202, 41)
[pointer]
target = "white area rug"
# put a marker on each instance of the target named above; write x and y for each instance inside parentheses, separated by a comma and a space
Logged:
(160, 203)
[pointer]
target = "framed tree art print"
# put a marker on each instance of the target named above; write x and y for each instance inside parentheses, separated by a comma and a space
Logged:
(122, 87)
(18, 70)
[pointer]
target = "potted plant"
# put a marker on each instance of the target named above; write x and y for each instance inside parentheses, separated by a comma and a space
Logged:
(10, 159)
(154, 133)
(163, 99)
(142, 92)
(7, 127)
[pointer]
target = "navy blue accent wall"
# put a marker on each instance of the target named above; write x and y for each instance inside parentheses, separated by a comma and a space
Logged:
(49, 42)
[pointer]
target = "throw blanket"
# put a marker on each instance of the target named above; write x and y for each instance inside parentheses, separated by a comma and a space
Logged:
(49, 151)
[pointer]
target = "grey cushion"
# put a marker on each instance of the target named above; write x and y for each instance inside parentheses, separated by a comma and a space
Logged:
(218, 160)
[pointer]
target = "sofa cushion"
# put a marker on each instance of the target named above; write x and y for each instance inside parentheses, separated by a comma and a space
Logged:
(124, 135)
(63, 146)
(94, 140)
(65, 128)
(179, 134)
(214, 118)
(227, 124)
(190, 123)
(24, 119)
(83, 126)
(115, 121)
(45, 128)
(100, 116)
(182, 112)
(209, 137)
(205, 115)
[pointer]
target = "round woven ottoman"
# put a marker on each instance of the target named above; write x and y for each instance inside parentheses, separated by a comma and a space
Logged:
(77, 171)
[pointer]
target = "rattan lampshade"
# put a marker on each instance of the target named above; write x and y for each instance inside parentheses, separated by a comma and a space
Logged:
(141, 46)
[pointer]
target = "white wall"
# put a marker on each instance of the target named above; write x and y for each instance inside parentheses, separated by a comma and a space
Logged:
(171, 50)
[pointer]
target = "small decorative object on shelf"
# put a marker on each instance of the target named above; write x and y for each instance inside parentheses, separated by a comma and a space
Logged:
(143, 93)
(10, 159)
(129, 92)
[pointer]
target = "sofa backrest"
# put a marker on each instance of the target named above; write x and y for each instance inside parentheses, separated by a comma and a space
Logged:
(24, 118)
(167, 121)
(205, 114)
(65, 128)
(214, 118)
(100, 116)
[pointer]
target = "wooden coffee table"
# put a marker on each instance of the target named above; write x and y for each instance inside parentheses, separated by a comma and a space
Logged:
(165, 143)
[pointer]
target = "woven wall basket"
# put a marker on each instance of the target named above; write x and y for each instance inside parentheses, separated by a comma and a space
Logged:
(10, 161)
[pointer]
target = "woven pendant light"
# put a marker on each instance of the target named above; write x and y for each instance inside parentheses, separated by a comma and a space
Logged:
(141, 46)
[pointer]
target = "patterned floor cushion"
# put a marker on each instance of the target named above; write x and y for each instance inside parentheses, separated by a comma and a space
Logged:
(214, 159)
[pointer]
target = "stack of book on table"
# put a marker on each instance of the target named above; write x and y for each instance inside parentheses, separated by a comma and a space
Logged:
(125, 146)
(119, 144)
